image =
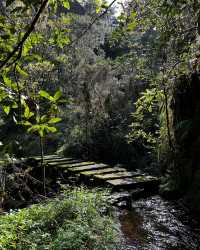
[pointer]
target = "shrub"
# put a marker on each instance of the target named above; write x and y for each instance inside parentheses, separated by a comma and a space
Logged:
(75, 220)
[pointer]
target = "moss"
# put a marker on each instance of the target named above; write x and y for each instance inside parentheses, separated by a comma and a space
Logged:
(114, 175)
(88, 167)
(71, 165)
(101, 171)
(184, 163)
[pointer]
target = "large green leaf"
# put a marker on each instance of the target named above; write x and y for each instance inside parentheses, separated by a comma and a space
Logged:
(57, 95)
(50, 129)
(27, 113)
(36, 128)
(6, 109)
(3, 94)
(46, 95)
(54, 120)
(26, 123)
(43, 119)
(66, 4)
(8, 82)
(21, 71)
(98, 5)
(41, 132)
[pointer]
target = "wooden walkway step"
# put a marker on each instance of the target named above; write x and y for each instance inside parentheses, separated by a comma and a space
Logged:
(49, 160)
(80, 164)
(87, 167)
(101, 172)
(46, 157)
(63, 163)
(116, 175)
(118, 179)
(131, 183)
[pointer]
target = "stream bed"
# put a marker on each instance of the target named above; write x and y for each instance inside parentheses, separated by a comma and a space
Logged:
(157, 224)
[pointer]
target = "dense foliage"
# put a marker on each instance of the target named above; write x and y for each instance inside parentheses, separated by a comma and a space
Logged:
(75, 220)
(106, 84)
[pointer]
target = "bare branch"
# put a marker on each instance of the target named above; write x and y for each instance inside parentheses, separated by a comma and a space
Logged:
(93, 21)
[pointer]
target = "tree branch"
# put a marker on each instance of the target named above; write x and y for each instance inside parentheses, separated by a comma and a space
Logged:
(19, 46)
(92, 23)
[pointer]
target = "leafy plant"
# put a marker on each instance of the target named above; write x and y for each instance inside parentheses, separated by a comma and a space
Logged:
(42, 124)
(145, 124)
(74, 221)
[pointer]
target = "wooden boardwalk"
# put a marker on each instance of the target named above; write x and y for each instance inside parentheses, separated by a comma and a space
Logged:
(123, 183)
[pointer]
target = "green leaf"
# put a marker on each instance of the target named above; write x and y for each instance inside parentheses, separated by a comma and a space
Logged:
(60, 39)
(46, 95)
(34, 128)
(41, 132)
(54, 108)
(54, 120)
(7, 81)
(132, 26)
(3, 94)
(38, 119)
(51, 129)
(57, 95)
(61, 101)
(14, 105)
(104, 6)
(43, 118)
(33, 39)
(27, 113)
(6, 109)
(98, 5)
(21, 71)
(26, 123)
(65, 20)
(66, 4)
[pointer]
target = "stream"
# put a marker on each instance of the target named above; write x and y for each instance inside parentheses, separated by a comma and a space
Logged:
(157, 224)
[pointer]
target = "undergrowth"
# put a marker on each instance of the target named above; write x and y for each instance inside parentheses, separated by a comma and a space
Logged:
(76, 220)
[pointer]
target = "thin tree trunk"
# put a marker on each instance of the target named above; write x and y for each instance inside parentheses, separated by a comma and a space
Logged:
(42, 164)
(167, 120)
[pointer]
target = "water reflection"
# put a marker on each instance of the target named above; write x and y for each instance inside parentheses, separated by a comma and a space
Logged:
(156, 224)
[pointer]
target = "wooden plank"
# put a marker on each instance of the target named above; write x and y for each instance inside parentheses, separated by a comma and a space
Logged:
(53, 159)
(122, 182)
(45, 157)
(134, 182)
(75, 164)
(101, 171)
(87, 176)
(64, 163)
(88, 167)
(84, 163)
(116, 175)
(58, 160)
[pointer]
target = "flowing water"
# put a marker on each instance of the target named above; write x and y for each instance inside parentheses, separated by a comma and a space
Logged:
(156, 224)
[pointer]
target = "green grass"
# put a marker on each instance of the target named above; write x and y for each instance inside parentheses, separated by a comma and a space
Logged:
(73, 221)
